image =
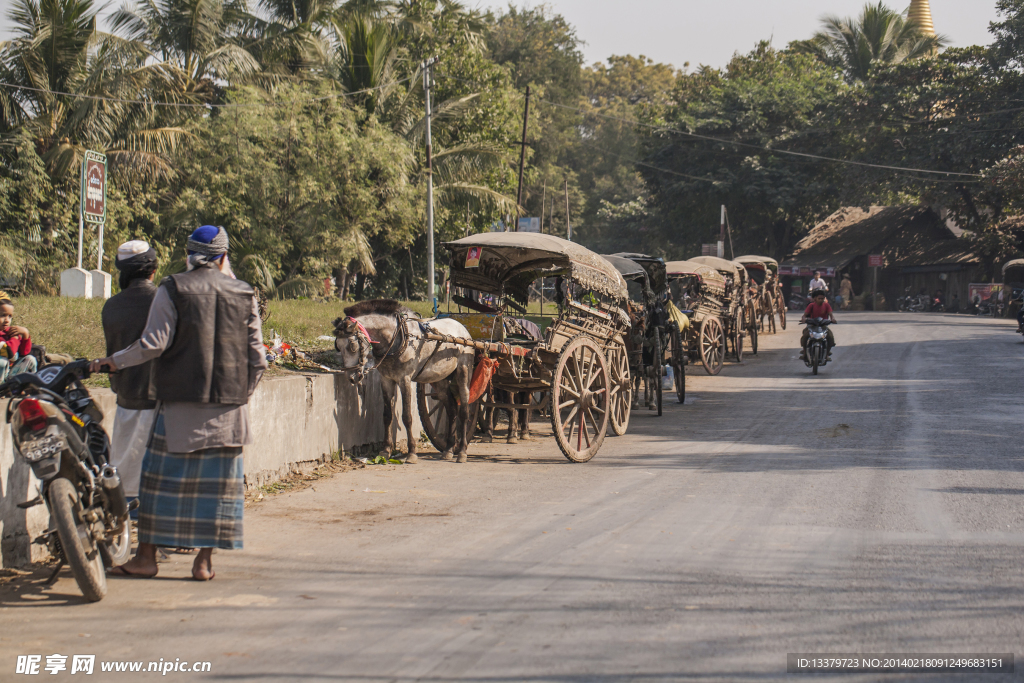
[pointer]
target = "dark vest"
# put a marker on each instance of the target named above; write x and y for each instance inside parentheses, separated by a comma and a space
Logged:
(208, 361)
(124, 319)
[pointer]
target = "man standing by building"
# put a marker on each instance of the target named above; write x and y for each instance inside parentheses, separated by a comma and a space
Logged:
(124, 319)
(205, 336)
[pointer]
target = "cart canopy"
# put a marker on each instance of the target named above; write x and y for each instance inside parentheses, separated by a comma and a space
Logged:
(1015, 263)
(705, 273)
(634, 273)
(508, 262)
(655, 267)
(723, 266)
(751, 259)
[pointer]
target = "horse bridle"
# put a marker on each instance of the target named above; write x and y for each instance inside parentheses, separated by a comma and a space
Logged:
(366, 346)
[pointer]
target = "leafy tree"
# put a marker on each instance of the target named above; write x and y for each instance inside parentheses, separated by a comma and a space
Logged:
(303, 186)
(764, 101)
(195, 38)
(616, 95)
(878, 35)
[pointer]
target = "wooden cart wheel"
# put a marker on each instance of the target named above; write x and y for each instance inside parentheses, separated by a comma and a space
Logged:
(737, 336)
(771, 314)
(752, 328)
(678, 365)
(434, 413)
(782, 312)
(621, 390)
(579, 399)
(712, 345)
(655, 371)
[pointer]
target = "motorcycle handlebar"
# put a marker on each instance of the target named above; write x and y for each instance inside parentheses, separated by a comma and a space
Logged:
(80, 368)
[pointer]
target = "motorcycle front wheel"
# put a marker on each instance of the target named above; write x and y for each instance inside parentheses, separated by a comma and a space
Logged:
(80, 551)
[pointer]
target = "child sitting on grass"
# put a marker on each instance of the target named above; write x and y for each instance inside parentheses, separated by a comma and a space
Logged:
(15, 344)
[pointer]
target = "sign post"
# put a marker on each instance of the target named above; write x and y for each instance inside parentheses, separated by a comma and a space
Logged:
(78, 282)
(874, 262)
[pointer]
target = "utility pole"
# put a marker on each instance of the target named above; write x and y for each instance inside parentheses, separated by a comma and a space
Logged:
(543, 203)
(522, 157)
(428, 67)
(728, 229)
(568, 225)
(721, 235)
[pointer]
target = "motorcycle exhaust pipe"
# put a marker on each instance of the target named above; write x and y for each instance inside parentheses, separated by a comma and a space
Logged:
(110, 480)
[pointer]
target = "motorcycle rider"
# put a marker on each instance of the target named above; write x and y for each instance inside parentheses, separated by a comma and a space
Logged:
(818, 283)
(818, 308)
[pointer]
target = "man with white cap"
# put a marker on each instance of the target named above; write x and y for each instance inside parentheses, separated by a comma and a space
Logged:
(205, 339)
(124, 319)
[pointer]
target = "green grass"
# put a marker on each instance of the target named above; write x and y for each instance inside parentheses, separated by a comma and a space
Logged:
(72, 326)
(63, 325)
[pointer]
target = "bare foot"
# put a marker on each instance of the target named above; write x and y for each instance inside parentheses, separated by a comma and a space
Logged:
(142, 566)
(202, 568)
(412, 459)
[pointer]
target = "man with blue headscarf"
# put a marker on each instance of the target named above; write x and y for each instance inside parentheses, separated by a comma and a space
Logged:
(204, 336)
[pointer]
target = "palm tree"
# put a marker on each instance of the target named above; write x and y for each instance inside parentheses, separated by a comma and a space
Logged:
(288, 37)
(193, 37)
(880, 34)
(62, 66)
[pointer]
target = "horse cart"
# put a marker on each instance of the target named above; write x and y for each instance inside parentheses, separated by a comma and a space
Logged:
(736, 301)
(644, 343)
(581, 358)
(699, 292)
(769, 301)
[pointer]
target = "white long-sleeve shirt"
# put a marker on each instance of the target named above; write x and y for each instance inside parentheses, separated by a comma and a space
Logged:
(194, 426)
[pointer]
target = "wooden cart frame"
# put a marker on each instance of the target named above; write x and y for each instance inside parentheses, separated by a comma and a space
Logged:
(736, 301)
(700, 292)
(769, 301)
(581, 358)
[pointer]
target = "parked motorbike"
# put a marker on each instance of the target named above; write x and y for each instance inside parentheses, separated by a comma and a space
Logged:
(798, 302)
(817, 343)
(904, 302)
(56, 427)
(989, 308)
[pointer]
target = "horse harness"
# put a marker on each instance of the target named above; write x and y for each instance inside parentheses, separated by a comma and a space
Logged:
(396, 347)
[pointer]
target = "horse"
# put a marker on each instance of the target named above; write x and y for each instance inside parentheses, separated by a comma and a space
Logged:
(382, 333)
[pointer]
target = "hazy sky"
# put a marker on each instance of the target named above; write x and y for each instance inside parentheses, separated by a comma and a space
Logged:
(709, 32)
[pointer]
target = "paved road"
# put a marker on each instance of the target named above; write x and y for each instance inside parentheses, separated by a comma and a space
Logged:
(874, 508)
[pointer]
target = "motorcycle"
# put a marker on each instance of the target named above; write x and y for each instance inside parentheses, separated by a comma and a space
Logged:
(56, 427)
(816, 355)
(798, 302)
(916, 303)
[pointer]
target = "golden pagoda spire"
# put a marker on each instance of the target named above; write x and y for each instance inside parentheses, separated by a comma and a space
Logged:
(921, 12)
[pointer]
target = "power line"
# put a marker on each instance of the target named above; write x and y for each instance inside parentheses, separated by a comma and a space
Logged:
(715, 180)
(748, 145)
(230, 105)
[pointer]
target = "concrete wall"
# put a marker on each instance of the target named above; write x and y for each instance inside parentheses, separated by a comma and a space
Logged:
(297, 421)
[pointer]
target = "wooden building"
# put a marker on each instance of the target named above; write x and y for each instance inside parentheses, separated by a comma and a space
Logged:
(920, 252)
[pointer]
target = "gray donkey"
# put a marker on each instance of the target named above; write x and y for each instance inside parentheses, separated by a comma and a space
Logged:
(385, 335)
